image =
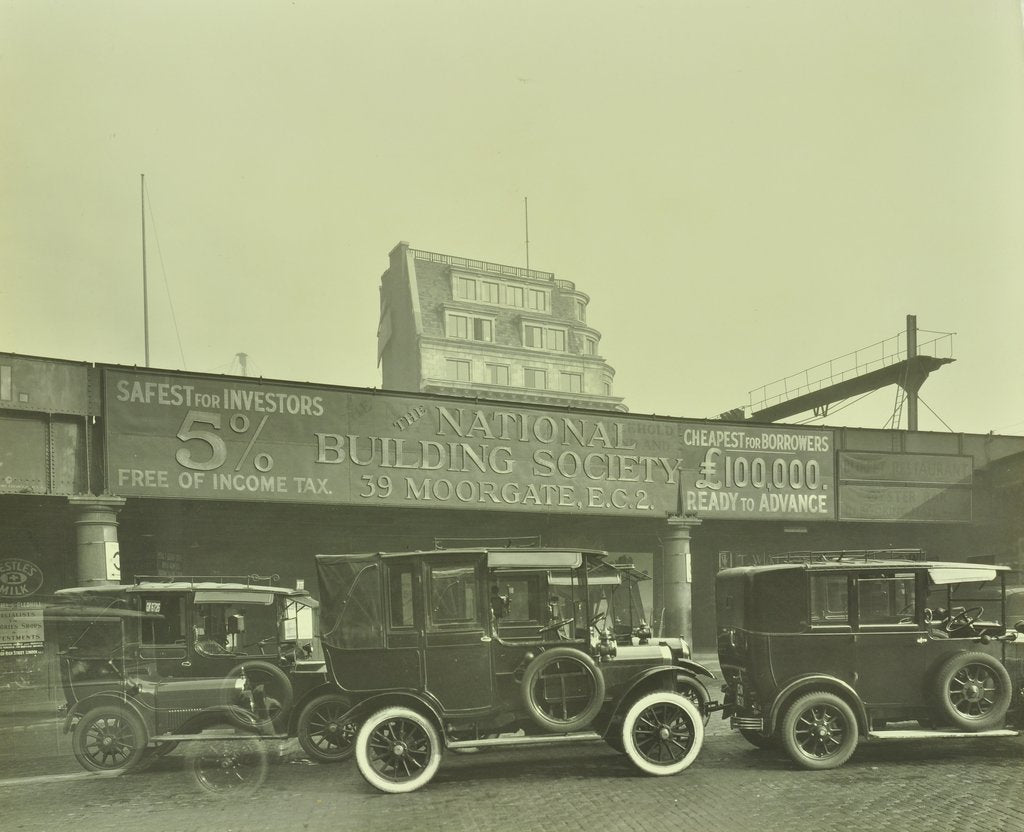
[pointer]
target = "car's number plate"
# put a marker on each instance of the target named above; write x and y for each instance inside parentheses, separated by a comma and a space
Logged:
(739, 694)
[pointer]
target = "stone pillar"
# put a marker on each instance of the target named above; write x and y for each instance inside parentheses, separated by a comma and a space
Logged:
(677, 578)
(99, 559)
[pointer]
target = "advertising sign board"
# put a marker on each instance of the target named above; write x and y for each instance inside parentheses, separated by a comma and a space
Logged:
(194, 437)
(910, 487)
(21, 629)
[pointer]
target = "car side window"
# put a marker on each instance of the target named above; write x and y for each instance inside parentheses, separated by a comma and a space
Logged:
(453, 596)
(829, 600)
(400, 595)
(164, 621)
(887, 599)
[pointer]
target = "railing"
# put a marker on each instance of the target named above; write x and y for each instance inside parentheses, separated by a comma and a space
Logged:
(864, 555)
(857, 363)
(484, 266)
(249, 580)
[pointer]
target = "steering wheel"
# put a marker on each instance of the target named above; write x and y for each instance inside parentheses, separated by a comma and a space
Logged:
(963, 619)
(602, 614)
(555, 625)
(263, 642)
(211, 647)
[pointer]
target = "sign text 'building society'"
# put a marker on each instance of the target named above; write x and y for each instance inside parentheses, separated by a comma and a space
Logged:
(179, 436)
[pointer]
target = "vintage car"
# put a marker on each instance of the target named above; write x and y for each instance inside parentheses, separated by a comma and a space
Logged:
(821, 649)
(147, 665)
(470, 648)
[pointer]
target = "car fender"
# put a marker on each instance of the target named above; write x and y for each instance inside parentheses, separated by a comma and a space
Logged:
(417, 700)
(815, 681)
(218, 715)
(696, 668)
(668, 674)
(309, 696)
(83, 706)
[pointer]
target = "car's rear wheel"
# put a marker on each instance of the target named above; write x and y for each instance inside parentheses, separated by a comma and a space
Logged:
(973, 691)
(109, 738)
(398, 750)
(662, 733)
(819, 731)
(226, 763)
(323, 732)
(563, 689)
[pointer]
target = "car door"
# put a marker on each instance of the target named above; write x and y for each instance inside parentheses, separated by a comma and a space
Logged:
(891, 641)
(457, 649)
(162, 632)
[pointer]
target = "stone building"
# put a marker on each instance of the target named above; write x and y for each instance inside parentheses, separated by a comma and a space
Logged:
(455, 326)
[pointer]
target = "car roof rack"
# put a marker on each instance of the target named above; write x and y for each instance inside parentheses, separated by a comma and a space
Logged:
(248, 580)
(852, 555)
(520, 542)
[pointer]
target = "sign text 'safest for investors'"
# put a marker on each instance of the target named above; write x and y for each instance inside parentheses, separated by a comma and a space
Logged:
(177, 436)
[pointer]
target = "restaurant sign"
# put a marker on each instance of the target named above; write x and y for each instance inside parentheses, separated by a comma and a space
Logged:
(178, 436)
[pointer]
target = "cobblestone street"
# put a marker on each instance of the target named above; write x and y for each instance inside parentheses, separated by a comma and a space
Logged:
(909, 786)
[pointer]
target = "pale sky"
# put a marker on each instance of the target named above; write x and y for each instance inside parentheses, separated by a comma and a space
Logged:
(744, 189)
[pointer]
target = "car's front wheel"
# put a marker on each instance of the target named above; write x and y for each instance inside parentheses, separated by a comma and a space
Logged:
(662, 733)
(819, 731)
(398, 750)
(109, 738)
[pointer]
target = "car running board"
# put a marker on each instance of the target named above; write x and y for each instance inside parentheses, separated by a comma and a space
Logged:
(217, 735)
(535, 739)
(928, 735)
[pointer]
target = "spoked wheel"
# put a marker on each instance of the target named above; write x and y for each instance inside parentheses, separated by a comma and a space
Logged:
(662, 733)
(398, 750)
(224, 765)
(974, 691)
(323, 733)
(695, 692)
(819, 731)
(109, 738)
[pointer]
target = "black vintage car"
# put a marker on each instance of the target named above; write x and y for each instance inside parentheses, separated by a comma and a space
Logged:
(821, 649)
(457, 649)
(147, 665)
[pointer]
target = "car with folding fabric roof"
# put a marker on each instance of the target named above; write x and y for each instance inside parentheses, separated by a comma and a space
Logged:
(471, 648)
(822, 649)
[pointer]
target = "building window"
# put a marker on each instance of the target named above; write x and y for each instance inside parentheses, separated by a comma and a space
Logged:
(589, 346)
(458, 326)
(537, 299)
(459, 370)
(489, 291)
(483, 329)
(515, 296)
(498, 374)
(554, 339)
(537, 379)
(581, 311)
(607, 387)
(465, 326)
(572, 382)
(465, 288)
(544, 337)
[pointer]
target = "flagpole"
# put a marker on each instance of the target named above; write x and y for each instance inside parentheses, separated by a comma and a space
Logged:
(145, 282)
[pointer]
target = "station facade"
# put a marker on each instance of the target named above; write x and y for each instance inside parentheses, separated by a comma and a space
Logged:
(111, 472)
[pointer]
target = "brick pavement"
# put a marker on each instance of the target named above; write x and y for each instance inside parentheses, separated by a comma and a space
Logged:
(909, 786)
